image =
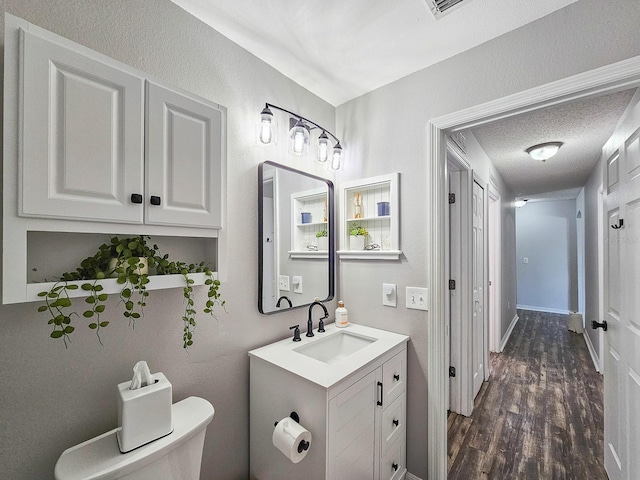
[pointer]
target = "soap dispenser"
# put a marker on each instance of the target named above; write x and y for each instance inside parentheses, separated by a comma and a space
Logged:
(342, 319)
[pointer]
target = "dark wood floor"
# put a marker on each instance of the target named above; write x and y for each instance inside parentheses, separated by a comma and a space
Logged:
(539, 416)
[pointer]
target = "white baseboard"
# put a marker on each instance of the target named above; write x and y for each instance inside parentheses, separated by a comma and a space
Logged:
(592, 351)
(506, 336)
(543, 309)
(410, 476)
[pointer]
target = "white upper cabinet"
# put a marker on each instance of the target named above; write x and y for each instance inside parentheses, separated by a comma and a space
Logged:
(82, 135)
(183, 160)
(94, 148)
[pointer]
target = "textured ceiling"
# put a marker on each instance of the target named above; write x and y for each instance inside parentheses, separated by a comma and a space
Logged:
(584, 126)
(341, 49)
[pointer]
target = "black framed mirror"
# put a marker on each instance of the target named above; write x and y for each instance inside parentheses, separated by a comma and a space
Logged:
(296, 238)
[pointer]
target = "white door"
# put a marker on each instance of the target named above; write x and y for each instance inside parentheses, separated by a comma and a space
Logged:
(184, 151)
(622, 310)
(478, 288)
(81, 132)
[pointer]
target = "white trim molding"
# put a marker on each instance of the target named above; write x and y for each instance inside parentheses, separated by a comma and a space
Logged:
(507, 334)
(544, 309)
(410, 476)
(592, 351)
(607, 79)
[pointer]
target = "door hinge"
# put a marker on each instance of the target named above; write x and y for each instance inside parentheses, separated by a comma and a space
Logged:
(452, 371)
(452, 284)
(452, 198)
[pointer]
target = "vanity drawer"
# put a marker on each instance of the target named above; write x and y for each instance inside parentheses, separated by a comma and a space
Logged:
(394, 419)
(394, 374)
(393, 466)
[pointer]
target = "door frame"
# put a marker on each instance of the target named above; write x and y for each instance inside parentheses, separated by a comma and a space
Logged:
(617, 76)
(460, 389)
(495, 267)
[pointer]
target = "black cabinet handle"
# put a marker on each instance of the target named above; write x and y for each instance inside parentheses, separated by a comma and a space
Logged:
(595, 325)
(394, 466)
(155, 200)
(136, 198)
(396, 422)
(396, 377)
(380, 393)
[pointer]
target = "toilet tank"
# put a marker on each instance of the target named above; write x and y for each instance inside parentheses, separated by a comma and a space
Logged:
(176, 456)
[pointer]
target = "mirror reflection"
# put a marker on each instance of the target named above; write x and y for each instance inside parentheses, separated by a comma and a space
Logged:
(296, 247)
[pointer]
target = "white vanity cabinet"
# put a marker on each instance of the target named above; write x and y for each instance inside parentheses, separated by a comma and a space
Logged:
(99, 142)
(357, 419)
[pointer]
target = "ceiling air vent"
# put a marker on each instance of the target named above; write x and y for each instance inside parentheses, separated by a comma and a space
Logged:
(440, 7)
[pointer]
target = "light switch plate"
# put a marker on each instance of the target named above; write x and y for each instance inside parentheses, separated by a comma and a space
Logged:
(284, 283)
(525, 259)
(417, 298)
(389, 295)
(297, 283)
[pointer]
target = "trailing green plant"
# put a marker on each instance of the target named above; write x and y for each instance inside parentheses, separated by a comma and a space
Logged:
(128, 260)
(357, 230)
(322, 233)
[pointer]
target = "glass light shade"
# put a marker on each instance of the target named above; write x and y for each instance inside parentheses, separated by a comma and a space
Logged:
(336, 158)
(323, 148)
(299, 136)
(544, 151)
(520, 203)
(266, 128)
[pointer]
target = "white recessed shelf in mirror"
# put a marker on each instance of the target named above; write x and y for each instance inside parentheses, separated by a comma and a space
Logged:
(309, 234)
(370, 213)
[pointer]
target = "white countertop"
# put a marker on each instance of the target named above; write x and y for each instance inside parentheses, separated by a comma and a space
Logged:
(282, 354)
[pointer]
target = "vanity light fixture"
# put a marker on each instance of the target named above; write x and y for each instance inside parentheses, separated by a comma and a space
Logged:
(521, 203)
(544, 151)
(299, 136)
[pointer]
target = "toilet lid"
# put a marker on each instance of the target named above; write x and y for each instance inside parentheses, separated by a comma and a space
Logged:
(101, 459)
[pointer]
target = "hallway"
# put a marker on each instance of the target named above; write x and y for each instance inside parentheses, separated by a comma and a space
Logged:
(540, 415)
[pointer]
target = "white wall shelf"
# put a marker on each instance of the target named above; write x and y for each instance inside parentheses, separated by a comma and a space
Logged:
(384, 229)
(314, 203)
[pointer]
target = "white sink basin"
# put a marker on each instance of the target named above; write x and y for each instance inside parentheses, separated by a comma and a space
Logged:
(335, 347)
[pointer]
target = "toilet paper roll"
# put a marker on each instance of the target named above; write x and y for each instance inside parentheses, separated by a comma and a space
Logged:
(292, 439)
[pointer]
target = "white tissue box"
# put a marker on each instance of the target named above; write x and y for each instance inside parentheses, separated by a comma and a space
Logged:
(144, 414)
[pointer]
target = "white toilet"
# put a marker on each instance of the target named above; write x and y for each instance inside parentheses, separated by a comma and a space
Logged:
(177, 456)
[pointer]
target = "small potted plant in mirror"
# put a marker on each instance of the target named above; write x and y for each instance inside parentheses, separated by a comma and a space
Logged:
(357, 237)
(129, 260)
(323, 239)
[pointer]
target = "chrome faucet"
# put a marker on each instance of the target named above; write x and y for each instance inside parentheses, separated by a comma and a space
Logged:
(310, 320)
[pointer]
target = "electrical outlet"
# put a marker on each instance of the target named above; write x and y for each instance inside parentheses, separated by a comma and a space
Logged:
(417, 298)
(284, 283)
(525, 259)
(389, 294)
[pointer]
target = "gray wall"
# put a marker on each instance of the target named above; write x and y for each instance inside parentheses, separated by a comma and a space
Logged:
(386, 130)
(546, 236)
(53, 398)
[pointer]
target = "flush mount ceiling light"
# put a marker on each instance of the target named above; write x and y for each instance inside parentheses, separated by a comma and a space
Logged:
(544, 151)
(299, 136)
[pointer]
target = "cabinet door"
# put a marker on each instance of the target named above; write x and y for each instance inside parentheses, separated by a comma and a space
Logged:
(81, 135)
(352, 431)
(394, 377)
(184, 152)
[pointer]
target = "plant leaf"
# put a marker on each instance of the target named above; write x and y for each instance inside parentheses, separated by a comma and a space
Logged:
(57, 334)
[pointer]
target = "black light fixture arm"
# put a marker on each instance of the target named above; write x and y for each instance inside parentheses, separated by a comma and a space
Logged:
(300, 117)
